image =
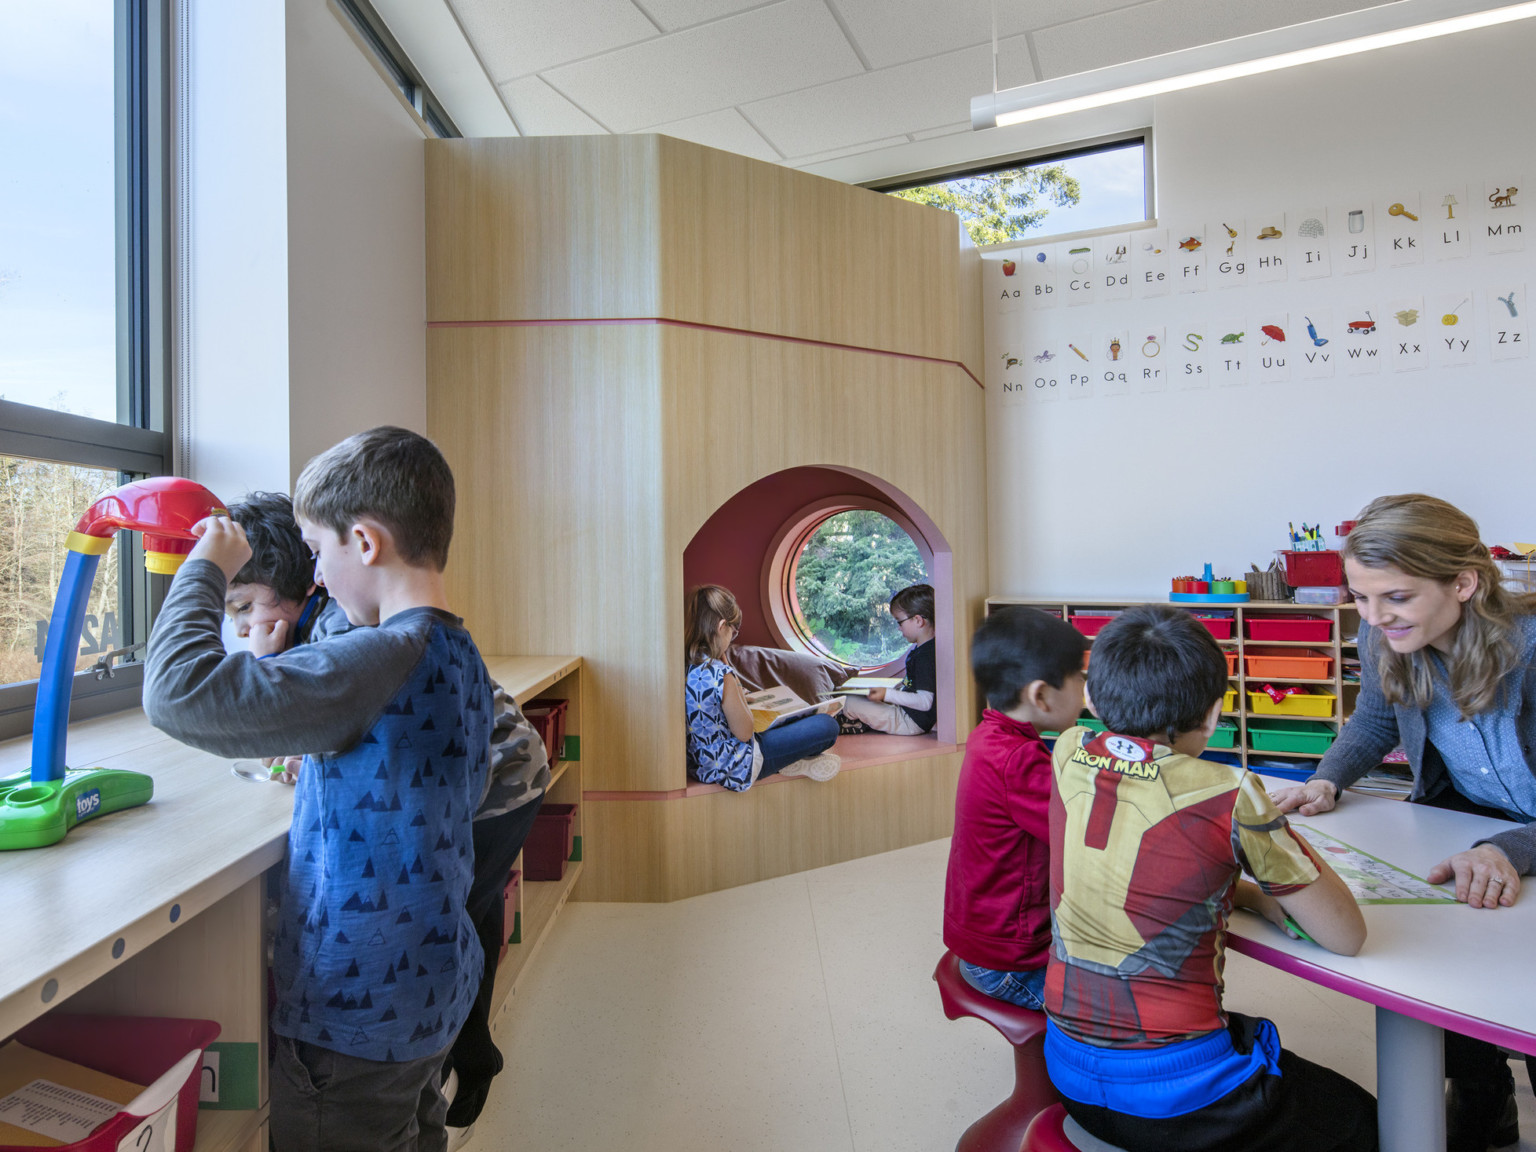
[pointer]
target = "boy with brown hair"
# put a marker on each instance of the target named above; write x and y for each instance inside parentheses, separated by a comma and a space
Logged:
(376, 961)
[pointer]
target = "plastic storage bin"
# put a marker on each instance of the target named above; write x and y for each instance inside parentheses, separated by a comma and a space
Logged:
(550, 843)
(1330, 595)
(1313, 569)
(1229, 701)
(547, 715)
(140, 1049)
(1231, 663)
(1316, 704)
(1218, 626)
(1288, 663)
(511, 930)
(1289, 736)
(1225, 735)
(1089, 623)
(1306, 629)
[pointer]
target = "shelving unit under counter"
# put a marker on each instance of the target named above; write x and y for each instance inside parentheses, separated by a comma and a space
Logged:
(527, 678)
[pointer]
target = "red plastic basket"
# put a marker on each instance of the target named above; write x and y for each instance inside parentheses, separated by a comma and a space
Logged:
(550, 843)
(1313, 569)
(1089, 624)
(140, 1049)
(1218, 626)
(1307, 629)
(547, 715)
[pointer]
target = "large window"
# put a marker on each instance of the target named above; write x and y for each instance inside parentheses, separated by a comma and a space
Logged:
(1104, 185)
(83, 316)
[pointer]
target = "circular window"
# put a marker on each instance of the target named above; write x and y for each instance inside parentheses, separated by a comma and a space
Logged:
(840, 570)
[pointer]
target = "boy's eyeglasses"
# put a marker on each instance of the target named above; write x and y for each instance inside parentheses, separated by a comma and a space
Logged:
(900, 620)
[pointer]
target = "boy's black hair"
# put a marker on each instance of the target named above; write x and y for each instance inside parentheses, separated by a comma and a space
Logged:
(279, 557)
(1155, 672)
(391, 475)
(1016, 646)
(915, 600)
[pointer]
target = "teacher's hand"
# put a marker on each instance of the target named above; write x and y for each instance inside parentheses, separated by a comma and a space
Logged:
(1484, 877)
(1309, 799)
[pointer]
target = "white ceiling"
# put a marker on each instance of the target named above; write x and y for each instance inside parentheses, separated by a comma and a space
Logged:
(797, 82)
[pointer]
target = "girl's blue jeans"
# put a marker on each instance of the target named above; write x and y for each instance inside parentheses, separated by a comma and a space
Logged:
(1026, 989)
(797, 740)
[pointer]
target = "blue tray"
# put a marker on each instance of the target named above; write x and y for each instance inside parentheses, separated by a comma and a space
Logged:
(1208, 597)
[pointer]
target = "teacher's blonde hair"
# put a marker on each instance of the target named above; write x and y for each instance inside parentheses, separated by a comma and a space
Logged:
(1433, 540)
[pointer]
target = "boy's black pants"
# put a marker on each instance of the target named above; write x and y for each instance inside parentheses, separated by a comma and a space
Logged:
(474, 1055)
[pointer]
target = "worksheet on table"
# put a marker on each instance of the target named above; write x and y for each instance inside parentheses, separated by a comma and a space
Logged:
(1372, 880)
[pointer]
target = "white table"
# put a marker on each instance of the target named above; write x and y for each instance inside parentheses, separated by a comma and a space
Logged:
(1426, 967)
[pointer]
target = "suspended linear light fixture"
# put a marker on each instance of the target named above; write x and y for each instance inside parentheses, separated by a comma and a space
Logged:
(1384, 26)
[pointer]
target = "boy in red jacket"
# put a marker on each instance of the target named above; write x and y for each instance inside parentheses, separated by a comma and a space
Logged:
(997, 914)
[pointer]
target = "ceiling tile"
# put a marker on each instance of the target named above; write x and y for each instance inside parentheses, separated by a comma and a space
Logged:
(1159, 26)
(519, 37)
(727, 129)
(674, 14)
(947, 130)
(780, 48)
(541, 111)
(1014, 67)
(867, 146)
(896, 31)
(875, 105)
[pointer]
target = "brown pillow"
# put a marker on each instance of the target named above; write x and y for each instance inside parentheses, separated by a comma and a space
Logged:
(804, 675)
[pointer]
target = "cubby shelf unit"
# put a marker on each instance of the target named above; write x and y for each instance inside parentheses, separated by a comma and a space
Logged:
(1344, 622)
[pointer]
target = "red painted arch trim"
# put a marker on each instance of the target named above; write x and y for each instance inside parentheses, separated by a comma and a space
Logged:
(1499, 1034)
(607, 320)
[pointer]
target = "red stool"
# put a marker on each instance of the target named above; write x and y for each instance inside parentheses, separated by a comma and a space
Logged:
(1054, 1131)
(1002, 1129)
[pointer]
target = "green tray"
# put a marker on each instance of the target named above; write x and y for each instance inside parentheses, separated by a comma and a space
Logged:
(1289, 736)
(1225, 736)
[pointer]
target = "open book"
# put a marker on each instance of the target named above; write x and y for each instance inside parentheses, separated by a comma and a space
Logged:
(773, 706)
(862, 686)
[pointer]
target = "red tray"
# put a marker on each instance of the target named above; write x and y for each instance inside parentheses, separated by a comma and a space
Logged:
(550, 843)
(1218, 626)
(1089, 624)
(1313, 569)
(1307, 629)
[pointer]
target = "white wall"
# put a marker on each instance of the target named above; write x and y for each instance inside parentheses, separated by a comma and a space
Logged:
(356, 243)
(307, 245)
(1115, 494)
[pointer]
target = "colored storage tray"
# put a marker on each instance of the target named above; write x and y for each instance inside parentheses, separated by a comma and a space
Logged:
(550, 843)
(1218, 626)
(1305, 629)
(1229, 701)
(1089, 623)
(547, 715)
(1288, 664)
(1289, 736)
(1315, 704)
(1231, 662)
(142, 1050)
(1225, 736)
(1313, 569)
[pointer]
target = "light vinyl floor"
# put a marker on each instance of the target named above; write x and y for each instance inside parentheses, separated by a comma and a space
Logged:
(796, 1015)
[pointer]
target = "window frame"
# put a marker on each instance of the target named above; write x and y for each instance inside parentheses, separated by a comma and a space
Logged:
(139, 442)
(1036, 157)
(373, 35)
(780, 603)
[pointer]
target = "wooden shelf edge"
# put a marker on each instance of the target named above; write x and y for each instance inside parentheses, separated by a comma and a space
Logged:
(558, 771)
(543, 902)
(221, 1131)
(556, 669)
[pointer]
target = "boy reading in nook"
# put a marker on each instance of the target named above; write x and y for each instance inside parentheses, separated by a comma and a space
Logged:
(911, 709)
(1148, 849)
(276, 604)
(376, 961)
(1029, 668)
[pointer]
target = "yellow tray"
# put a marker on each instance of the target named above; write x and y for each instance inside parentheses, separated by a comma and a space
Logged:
(1312, 704)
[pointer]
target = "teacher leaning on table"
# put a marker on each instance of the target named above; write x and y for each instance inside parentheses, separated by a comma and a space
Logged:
(1448, 670)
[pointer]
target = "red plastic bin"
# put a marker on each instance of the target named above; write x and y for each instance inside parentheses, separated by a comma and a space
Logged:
(509, 910)
(1307, 629)
(1218, 626)
(550, 843)
(1313, 569)
(1088, 623)
(140, 1049)
(547, 715)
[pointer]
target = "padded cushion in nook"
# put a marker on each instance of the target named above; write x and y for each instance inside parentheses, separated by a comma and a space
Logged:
(805, 675)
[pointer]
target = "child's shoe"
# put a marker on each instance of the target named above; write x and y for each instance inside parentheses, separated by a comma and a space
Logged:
(850, 726)
(821, 768)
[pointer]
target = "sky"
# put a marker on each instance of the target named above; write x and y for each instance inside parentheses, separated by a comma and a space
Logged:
(1113, 192)
(57, 235)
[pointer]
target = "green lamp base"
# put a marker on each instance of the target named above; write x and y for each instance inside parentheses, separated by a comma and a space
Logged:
(36, 815)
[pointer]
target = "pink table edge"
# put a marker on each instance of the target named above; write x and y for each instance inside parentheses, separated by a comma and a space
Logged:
(1500, 1034)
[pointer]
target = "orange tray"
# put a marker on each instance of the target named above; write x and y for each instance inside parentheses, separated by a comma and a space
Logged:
(1289, 663)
